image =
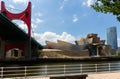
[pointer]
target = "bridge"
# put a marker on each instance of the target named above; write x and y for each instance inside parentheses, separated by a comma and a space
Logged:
(57, 70)
(14, 42)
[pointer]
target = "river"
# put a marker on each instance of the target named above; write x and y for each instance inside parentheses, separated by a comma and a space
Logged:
(58, 68)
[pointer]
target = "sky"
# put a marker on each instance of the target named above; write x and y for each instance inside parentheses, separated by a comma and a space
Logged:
(66, 20)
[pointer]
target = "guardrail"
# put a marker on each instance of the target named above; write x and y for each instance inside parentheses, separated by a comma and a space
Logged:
(57, 70)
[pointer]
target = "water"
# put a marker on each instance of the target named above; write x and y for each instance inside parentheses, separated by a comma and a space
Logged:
(58, 68)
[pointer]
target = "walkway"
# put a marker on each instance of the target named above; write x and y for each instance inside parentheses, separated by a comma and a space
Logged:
(96, 76)
(104, 76)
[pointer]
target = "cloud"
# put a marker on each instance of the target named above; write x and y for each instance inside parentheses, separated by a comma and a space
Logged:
(39, 14)
(39, 21)
(21, 25)
(75, 18)
(33, 25)
(118, 42)
(20, 1)
(36, 22)
(24, 27)
(51, 36)
(33, 6)
(11, 6)
(63, 4)
(88, 3)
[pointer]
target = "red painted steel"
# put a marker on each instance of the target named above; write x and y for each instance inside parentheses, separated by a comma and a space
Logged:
(11, 46)
(24, 16)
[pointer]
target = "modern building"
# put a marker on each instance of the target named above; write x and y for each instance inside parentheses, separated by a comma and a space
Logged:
(67, 49)
(95, 45)
(91, 45)
(112, 37)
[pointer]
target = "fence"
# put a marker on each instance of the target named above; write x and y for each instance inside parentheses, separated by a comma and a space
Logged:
(57, 70)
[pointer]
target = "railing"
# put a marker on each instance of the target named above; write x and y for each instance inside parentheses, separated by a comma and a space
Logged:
(57, 70)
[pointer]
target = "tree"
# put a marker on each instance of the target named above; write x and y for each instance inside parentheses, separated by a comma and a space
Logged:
(108, 6)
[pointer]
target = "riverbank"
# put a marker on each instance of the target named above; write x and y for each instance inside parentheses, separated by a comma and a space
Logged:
(115, 75)
(104, 76)
(60, 60)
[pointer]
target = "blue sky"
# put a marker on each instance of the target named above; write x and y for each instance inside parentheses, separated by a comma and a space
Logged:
(67, 20)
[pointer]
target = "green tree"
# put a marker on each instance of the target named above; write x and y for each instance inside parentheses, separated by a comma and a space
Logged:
(108, 6)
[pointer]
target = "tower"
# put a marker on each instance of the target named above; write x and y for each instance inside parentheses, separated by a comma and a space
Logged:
(16, 44)
(112, 37)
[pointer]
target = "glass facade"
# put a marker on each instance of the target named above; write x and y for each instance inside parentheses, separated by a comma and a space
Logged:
(112, 37)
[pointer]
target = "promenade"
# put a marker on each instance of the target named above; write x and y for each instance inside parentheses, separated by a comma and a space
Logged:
(104, 76)
(96, 76)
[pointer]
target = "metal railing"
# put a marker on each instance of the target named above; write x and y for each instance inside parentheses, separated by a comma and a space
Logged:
(57, 70)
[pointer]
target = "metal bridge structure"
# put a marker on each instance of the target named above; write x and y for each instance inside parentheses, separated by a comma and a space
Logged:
(13, 40)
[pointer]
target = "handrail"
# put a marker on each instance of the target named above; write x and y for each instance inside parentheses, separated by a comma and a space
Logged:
(56, 70)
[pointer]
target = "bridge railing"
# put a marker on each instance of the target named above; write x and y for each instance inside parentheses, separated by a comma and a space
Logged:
(57, 70)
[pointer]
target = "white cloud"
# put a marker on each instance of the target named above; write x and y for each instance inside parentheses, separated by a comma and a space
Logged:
(51, 36)
(33, 6)
(38, 21)
(63, 4)
(38, 14)
(75, 18)
(11, 6)
(118, 42)
(24, 27)
(21, 25)
(84, 3)
(33, 25)
(20, 1)
(87, 3)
